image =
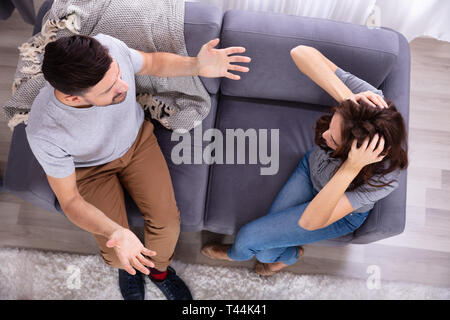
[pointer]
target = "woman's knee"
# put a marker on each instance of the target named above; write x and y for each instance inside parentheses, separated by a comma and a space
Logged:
(248, 237)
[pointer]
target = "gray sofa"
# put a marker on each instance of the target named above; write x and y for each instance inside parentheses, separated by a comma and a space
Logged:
(273, 95)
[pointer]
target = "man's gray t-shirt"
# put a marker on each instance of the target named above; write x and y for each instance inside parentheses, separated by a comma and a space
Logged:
(322, 166)
(64, 137)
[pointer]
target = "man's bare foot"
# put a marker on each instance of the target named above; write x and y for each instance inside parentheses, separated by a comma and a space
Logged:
(216, 251)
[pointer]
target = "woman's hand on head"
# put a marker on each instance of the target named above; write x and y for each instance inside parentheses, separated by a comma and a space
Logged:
(370, 98)
(366, 154)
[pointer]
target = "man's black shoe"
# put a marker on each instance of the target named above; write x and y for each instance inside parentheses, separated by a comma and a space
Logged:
(131, 287)
(172, 286)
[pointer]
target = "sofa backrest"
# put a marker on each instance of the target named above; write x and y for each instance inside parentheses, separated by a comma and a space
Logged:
(202, 24)
(269, 38)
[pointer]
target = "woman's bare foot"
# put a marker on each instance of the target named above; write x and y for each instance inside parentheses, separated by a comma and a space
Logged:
(269, 269)
(216, 251)
(277, 266)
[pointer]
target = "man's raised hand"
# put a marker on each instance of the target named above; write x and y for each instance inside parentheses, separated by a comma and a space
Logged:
(213, 63)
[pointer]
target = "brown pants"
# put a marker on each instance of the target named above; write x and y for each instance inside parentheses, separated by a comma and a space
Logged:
(143, 172)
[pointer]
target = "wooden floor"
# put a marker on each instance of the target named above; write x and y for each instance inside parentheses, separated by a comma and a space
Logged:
(420, 254)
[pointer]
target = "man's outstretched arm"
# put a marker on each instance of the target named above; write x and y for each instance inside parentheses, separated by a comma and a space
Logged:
(209, 63)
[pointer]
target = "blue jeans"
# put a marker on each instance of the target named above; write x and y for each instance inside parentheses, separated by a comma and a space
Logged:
(275, 236)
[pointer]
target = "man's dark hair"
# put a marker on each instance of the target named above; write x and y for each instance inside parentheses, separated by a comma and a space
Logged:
(74, 64)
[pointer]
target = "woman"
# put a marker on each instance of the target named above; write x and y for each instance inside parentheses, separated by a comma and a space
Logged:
(359, 152)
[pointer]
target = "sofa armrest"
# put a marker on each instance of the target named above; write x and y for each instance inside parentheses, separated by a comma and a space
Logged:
(24, 176)
(387, 217)
(396, 86)
(202, 23)
(389, 214)
(42, 11)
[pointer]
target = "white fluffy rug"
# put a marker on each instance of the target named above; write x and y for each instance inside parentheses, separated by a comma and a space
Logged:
(33, 274)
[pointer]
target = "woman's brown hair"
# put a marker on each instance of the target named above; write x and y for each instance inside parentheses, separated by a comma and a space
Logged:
(360, 120)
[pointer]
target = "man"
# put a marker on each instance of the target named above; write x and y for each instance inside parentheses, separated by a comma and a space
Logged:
(88, 133)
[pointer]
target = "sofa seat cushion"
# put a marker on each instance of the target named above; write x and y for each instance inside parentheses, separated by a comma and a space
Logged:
(239, 193)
